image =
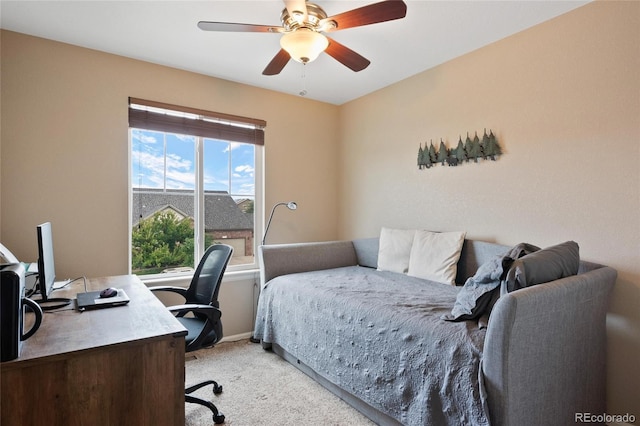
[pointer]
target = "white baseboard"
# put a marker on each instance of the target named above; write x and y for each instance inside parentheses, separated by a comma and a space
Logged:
(236, 337)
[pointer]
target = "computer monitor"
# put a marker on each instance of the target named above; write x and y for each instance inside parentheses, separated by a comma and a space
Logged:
(46, 263)
(47, 268)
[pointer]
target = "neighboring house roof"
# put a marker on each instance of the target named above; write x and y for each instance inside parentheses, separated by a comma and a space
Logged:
(221, 211)
(168, 208)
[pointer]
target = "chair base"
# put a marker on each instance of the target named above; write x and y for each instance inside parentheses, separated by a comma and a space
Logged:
(218, 417)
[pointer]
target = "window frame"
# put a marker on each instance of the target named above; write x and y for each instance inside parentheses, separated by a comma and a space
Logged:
(222, 124)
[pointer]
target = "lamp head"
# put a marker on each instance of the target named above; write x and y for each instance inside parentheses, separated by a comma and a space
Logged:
(291, 205)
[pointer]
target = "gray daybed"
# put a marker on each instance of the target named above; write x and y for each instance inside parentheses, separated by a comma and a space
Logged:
(379, 339)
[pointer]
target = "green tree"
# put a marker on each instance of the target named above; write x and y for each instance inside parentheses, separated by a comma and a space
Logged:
(443, 153)
(424, 159)
(476, 149)
(461, 155)
(433, 155)
(485, 145)
(162, 241)
(249, 207)
(468, 149)
(493, 149)
(472, 148)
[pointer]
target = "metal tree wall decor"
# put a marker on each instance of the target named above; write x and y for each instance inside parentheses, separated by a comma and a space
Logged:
(472, 149)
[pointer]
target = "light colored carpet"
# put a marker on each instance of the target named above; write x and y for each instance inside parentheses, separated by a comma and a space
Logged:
(260, 388)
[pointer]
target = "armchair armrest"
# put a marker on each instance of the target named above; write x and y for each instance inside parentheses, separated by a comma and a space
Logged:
(540, 341)
(282, 259)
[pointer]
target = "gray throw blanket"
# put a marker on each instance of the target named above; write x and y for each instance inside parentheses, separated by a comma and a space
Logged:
(380, 336)
(481, 291)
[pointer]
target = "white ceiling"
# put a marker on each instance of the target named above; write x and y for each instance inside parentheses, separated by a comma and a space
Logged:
(165, 32)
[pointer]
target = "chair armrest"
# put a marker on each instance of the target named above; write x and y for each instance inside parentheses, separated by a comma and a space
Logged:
(211, 324)
(212, 313)
(179, 290)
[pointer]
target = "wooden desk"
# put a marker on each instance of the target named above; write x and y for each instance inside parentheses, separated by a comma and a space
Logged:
(114, 366)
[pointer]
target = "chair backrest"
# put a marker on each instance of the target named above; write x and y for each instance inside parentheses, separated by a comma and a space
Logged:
(205, 283)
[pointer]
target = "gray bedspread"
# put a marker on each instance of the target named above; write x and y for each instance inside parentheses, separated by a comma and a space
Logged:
(380, 336)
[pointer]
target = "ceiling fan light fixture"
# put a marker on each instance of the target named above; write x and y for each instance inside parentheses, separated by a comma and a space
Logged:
(304, 45)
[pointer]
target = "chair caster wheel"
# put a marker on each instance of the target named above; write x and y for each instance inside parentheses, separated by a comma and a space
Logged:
(217, 389)
(218, 419)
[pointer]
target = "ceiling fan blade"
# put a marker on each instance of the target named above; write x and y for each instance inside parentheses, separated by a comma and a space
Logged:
(366, 15)
(346, 56)
(277, 63)
(297, 9)
(237, 27)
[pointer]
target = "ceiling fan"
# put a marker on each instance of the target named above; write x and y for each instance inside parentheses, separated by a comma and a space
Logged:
(303, 25)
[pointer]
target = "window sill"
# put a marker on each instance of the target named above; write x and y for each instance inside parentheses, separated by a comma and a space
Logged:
(183, 280)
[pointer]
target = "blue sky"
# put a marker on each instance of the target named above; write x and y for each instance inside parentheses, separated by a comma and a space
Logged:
(228, 166)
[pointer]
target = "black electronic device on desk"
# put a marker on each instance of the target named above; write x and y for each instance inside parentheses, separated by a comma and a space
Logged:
(107, 298)
(13, 304)
(47, 271)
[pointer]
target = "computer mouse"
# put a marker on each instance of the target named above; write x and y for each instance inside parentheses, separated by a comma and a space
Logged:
(108, 292)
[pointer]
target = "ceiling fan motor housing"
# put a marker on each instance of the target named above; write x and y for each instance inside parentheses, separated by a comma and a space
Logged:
(296, 20)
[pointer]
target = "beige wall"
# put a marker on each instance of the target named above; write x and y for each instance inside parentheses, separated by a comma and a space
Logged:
(563, 99)
(64, 149)
(64, 156)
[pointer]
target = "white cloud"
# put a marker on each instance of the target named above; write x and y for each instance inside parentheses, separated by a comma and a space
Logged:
(179, 171)
(148, 139)
(176, 162)
(245, 168)
(143, 137)
(232, 146)
(148, 161)
(185, 138)
(247, 189)
(211, 181)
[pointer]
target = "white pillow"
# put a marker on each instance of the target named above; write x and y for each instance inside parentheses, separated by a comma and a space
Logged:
(435, 255)
(395, 249)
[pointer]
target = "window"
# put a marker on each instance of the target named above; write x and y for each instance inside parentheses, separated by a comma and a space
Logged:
(195, 180)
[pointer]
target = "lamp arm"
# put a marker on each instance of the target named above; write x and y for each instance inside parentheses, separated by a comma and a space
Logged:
(269, 222)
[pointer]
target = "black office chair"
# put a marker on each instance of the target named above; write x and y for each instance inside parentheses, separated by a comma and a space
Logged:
(201, 299)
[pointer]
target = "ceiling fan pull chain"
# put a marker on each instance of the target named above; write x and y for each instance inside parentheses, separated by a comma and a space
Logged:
(303, 91)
